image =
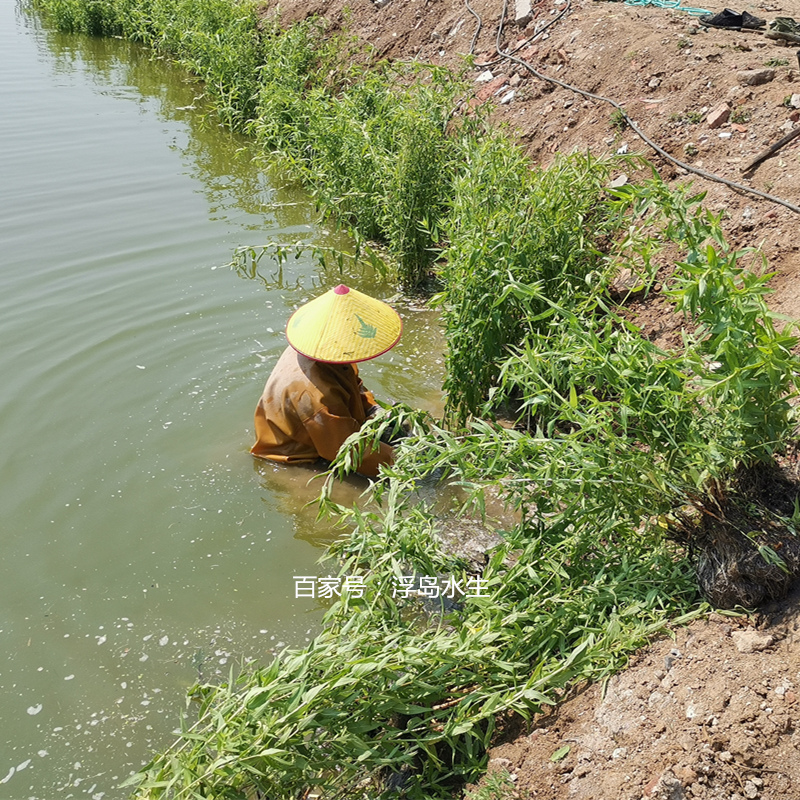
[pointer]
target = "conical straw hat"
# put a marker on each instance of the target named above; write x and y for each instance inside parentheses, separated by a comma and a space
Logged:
(343, 326)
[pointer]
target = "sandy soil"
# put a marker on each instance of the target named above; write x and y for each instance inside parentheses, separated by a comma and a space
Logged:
(715, 713)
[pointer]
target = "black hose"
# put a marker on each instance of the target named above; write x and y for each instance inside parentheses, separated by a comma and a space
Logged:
(709, 176)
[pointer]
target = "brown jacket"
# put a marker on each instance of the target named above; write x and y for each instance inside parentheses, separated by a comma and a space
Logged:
(309, 408)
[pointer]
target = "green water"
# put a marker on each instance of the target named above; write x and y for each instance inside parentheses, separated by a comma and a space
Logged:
(142, 546)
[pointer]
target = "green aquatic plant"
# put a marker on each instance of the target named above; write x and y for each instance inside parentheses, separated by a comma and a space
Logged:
(515, 226)
(379, 696)
(379, 158)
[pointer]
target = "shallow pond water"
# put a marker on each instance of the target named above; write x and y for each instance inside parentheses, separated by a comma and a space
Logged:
(142, 546)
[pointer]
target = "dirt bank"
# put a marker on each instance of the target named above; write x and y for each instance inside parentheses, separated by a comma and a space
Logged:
(712, 714)
(715, 713)
(669, 73)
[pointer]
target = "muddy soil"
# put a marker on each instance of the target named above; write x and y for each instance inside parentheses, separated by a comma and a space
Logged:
(714, 713)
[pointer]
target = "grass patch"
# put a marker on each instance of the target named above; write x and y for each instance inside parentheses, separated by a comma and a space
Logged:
(688, 118)
(618, 120)
(498, 786)
(741, 115)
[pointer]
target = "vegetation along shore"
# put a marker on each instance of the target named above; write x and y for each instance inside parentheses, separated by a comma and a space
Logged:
(631, 471)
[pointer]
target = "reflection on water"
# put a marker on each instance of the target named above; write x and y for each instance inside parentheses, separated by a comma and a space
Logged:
(125, 71)
(294, 490)
(143, 548)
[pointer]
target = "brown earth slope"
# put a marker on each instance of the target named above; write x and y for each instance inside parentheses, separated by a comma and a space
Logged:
(715, 713)
(668, 72)
(712, 715)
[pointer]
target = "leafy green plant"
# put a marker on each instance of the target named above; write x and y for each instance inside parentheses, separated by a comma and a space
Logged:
(776, 62)
(618, 120)
(515, 226)
(497, 786)
(377, 695)
(688, 118)
(741, 115)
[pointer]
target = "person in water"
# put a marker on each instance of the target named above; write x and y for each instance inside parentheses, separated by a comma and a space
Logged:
(314, 398)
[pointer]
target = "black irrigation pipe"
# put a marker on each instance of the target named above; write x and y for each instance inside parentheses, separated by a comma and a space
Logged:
(477, 30)
(519, 47)
(709, 176)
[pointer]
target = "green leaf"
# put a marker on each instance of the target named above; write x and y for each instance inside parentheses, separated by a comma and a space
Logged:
(561, 753)
(461, 728)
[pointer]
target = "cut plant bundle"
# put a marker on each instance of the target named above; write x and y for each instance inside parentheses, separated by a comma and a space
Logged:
(616, 457)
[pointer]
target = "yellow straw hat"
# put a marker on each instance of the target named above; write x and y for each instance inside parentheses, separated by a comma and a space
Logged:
(343, 326)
